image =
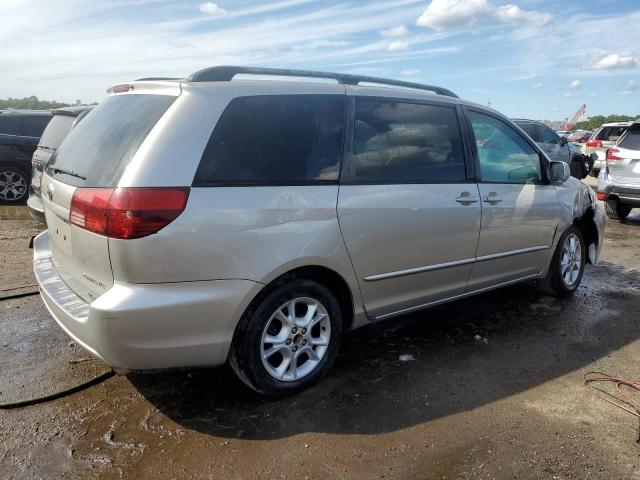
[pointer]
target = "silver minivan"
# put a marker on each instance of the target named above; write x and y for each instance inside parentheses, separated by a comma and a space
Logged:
(218, 218)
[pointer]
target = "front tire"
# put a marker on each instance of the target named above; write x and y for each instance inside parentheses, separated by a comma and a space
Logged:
(567, 265)
(288, 340)
(615, 210)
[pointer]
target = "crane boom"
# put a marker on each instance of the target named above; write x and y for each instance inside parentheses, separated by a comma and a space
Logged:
(571, 123)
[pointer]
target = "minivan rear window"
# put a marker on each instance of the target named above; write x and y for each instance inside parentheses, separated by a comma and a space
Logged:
(98, 150)
(275, 140)
(58, 128)
(632, 138)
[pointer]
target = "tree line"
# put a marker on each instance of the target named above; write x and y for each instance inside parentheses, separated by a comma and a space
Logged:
(34, 103)
(597, 120)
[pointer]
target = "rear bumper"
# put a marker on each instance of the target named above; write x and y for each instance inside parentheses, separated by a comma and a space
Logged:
(36, 209)
(147, 326)
(625, 194)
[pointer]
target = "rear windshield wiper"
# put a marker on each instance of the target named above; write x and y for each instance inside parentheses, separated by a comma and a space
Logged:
(67, 172)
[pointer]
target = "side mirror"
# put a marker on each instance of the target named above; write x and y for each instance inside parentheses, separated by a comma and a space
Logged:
(563, 141)
(559, 172)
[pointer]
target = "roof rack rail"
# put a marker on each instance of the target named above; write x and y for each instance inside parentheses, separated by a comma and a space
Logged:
(227, 72)
(149, 79)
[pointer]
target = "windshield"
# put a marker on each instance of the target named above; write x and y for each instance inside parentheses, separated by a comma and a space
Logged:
(97, 151)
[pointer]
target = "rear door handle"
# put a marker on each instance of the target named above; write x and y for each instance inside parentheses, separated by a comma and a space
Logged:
(465, 198)
(492, 198)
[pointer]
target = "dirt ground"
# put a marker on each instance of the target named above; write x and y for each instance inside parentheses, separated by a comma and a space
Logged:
(495, 390)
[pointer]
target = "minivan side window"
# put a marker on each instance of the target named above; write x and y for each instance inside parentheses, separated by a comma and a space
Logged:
(275, 140)
(399, 142)
(504, 155)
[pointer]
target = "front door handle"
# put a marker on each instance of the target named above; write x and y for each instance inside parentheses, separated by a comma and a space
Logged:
(465, 198)
(492, 198)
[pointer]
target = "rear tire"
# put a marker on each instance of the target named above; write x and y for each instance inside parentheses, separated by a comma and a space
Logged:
(279, 350)
(14, 184)
(616, 210)
(567, 265)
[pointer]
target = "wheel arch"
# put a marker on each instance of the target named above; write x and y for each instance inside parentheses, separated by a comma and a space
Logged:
(587, 225)
(326, 276)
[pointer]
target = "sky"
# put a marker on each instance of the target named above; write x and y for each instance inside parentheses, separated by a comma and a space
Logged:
(529, 58)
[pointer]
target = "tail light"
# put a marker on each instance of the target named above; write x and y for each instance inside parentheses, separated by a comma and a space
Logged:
(611, 155)
(594, 144)
(601, 195)
(126, 213)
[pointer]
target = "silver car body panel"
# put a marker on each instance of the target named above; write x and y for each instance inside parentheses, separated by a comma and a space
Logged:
(174, 298)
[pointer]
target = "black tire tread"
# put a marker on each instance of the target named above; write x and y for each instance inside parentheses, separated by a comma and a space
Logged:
(552, 283)
(245, 362)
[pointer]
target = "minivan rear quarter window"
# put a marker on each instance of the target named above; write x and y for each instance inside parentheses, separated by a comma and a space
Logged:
(97, 151)
(396, 142)
(275, 140)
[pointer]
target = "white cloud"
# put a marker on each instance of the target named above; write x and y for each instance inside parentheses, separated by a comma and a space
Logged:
(452, 14)
(575, 85)
(442, 14)
(615, 61)
(398, 31)
(537, 86)
(410, 72)
(514, 14)
(630, 87)
(211, 9)
(397, 46)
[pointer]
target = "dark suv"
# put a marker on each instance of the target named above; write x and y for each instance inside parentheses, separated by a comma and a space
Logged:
(556, 147)
(20, 131)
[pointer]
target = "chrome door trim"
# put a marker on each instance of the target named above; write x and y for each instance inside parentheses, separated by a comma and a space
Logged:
(411, 271)
(456, 263)
(511, 252)
(455, 297)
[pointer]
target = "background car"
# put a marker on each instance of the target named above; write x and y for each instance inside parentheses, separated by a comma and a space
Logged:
(563, 133)
(556, 147)
(580, 136)
(20, 131)
(63, 120)
(603, 138)
(619, 180)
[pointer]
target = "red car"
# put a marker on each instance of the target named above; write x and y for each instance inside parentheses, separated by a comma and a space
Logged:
(580, 136)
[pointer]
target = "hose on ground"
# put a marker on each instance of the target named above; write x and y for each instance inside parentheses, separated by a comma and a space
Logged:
(625, 401)
(18, 295)
(62, 393)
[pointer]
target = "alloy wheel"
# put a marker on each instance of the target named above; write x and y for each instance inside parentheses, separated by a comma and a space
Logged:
(571, 260)
(295, 339)
(13, 185)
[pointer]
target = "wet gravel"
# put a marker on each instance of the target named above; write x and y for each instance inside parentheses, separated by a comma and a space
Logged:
(489, 387)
